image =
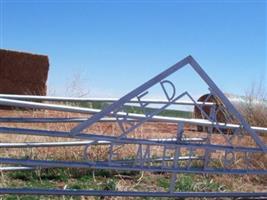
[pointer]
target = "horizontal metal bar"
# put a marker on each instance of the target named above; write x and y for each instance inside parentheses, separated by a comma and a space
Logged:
(111, 119)
(40, 120)
(58, 120)
(56, 107)
(181, 158)
(160, 159)
(94, 99)
(51, 144)
(16, 168)
(114, 139)
(51, 120)
(82, 143)
(125, 167)
(202, 122)
(75, 192)
(35, 105)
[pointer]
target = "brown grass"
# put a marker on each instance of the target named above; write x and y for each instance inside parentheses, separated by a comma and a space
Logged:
(148, 130)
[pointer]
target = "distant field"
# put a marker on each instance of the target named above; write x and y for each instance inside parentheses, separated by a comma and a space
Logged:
(135, 109)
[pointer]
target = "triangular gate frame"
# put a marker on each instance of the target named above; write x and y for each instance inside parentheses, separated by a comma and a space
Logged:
(139, 91)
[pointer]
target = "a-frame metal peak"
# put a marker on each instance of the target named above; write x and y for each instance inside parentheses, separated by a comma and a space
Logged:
(160, 78)
(134, 93)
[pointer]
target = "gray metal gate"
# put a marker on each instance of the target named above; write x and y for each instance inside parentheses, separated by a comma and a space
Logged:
(179, 154)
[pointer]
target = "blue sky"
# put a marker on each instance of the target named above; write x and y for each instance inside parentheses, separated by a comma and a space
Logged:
(114, 46)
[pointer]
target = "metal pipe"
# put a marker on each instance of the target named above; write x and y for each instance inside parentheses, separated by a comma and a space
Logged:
(12, 168)
(82, 143)
(35, 105)
(51, 120)
(114, 139)
(107, 166)
(181, 158)
(75, 192)
(202, 122)
(93, 99)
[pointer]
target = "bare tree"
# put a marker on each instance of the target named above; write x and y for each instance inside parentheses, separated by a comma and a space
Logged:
(254, 107)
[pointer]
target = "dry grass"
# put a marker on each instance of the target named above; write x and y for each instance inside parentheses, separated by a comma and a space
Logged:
(254, 106)
(147, 182)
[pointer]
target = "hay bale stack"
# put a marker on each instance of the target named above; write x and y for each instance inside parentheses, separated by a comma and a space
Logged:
(23, 73)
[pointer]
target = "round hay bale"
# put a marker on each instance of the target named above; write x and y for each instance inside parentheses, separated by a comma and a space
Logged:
(220, 115)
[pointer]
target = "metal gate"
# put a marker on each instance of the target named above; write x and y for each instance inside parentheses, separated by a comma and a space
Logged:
(183, 152)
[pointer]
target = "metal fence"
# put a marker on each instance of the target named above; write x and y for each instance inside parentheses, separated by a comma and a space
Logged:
(182, 152)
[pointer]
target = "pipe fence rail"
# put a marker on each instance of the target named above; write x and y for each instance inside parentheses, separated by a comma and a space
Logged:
(193, 146)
